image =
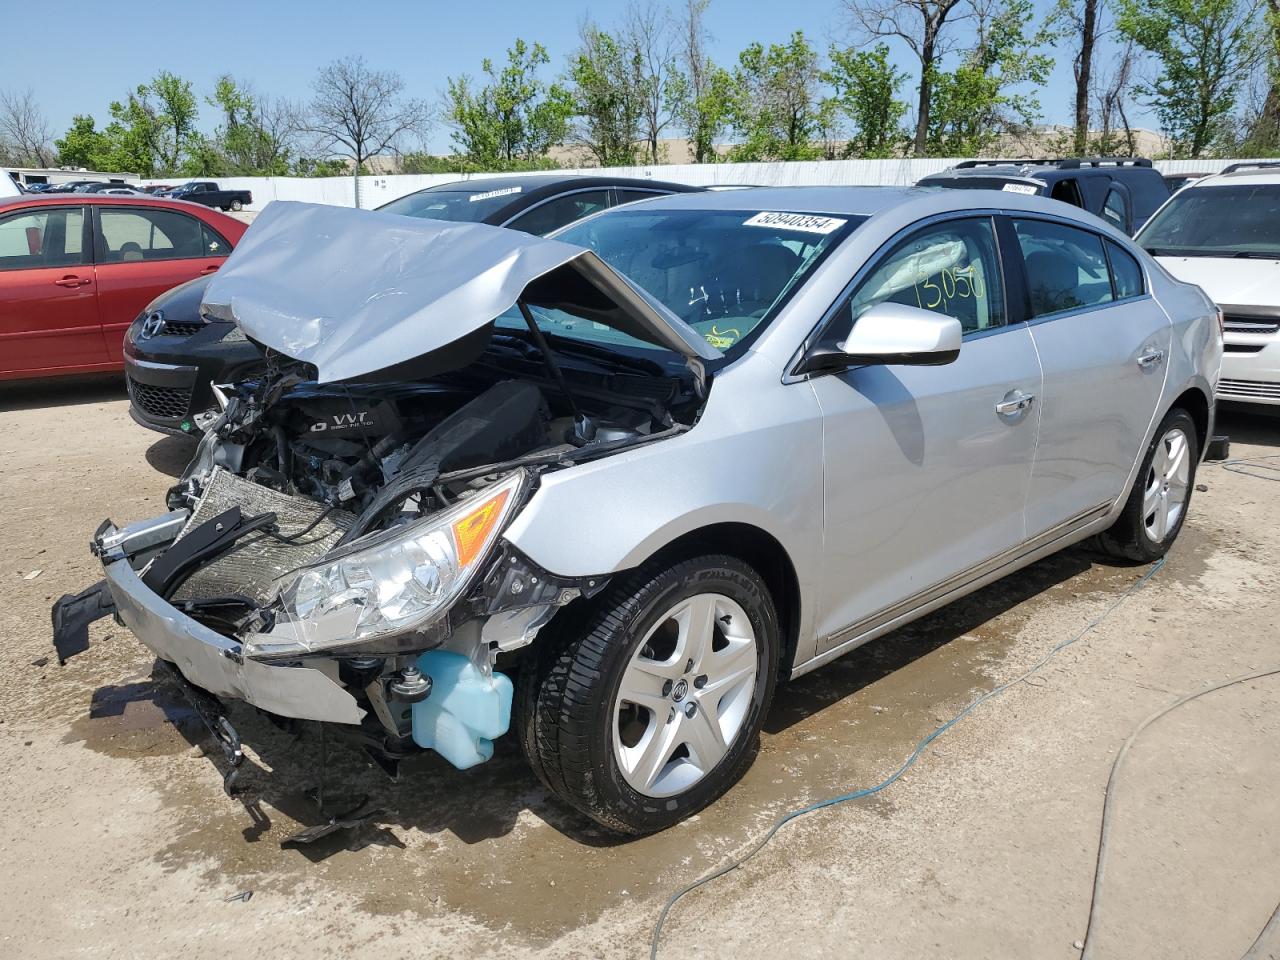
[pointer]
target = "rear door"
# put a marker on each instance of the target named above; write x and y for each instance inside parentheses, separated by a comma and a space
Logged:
(48, 303)
(926, 468)
(142, 252)
(1104, 343)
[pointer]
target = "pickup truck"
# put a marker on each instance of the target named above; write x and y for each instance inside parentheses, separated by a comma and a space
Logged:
(207, 192)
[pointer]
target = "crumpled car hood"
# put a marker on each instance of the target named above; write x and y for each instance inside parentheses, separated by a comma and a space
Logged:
(356, 291)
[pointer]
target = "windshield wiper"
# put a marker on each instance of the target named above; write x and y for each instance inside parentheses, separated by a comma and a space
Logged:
(572, 345)
(1254, 255)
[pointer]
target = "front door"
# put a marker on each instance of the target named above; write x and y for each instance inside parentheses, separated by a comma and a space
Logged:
(48, 300)
(926, 468)
(142, 252)
(1104, 344)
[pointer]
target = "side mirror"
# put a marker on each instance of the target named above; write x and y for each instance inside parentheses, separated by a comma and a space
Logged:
(890, 333)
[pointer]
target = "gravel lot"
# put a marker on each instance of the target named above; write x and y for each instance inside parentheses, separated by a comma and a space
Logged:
(120, 842)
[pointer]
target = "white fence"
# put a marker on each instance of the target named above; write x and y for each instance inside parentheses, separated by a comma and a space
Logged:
(375, 191)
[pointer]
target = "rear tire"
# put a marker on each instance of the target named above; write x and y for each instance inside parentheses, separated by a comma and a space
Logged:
(640, 765)
(1157, 505)
(236, 205)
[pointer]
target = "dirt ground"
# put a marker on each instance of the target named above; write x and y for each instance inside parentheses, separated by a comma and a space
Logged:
(119, 841)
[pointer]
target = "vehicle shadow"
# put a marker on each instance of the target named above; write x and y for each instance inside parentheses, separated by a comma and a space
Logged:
(171, 454)
(62, 391)
(1249, 425)
(865, 665)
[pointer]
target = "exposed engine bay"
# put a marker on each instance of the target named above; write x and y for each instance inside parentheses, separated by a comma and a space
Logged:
(311, 468)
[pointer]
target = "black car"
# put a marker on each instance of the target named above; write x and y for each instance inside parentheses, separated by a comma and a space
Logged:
(173, 355)
(1124, 191)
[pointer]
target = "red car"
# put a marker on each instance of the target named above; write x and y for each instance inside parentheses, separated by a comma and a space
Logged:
(76, 269)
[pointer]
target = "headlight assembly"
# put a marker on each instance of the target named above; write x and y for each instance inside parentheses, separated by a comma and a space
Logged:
(395, 583)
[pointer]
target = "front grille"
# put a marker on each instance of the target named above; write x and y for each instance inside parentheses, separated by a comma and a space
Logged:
(1243, 347)
(1234, 323)
(167, 403)
(1249, 389)
(181, 328)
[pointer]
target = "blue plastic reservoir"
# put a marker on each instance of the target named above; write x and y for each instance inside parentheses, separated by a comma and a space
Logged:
(465, 712)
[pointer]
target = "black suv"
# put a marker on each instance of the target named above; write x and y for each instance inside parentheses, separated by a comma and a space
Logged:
(1123, 191)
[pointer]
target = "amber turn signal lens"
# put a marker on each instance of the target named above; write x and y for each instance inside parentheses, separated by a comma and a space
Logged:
(472, 530)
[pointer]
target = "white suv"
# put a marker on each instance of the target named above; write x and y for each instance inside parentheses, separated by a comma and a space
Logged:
(1223, 233)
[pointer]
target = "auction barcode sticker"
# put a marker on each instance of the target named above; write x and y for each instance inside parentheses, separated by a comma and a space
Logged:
(489, 195)
(804, 222)
(1020, 188)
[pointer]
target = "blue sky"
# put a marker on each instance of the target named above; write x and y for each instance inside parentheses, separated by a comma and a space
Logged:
(80, 57)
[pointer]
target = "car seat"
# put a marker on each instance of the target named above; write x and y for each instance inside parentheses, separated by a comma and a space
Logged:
(130, 250)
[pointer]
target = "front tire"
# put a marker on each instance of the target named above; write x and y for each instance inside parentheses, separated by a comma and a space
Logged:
(1157, 505)
(648, 706)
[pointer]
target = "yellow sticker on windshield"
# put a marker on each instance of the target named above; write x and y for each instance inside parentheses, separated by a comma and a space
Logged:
(722, 339)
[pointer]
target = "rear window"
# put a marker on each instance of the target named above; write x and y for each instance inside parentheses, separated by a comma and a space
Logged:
(460, 205)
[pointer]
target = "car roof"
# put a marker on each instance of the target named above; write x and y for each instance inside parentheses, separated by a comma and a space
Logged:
(1262, 172)
(851, 201)
(553, 183)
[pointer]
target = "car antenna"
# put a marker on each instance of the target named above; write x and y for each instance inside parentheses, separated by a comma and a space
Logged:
(584, 429)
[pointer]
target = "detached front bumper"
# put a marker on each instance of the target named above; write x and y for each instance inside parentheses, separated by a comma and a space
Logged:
(208, 659)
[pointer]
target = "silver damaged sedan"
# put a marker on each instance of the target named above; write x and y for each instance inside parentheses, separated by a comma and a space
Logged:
(601, 492)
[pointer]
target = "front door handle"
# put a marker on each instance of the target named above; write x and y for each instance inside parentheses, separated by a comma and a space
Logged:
(1014, 403)
(70, 281)
(209, 269)
(1149, 360)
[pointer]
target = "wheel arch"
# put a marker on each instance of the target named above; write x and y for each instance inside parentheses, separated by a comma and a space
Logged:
(1197, 404)
(765, 554)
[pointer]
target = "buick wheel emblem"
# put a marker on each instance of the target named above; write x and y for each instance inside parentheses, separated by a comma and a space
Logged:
(153, 325)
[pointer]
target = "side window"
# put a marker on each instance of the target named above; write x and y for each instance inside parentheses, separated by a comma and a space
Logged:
(49, 237)
(1125, 272)
(556, 213)
(131, 234)
(214, 245)
(1068, 191)
(951, 268)
(1066, 267)
(631, 196)
(1115, 210)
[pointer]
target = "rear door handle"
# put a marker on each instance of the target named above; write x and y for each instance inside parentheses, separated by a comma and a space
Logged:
(1015, 402)
(70, 281)
(209, 269)
(1148, 360)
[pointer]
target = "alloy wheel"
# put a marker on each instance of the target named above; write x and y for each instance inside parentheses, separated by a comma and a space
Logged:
(1168, 482)
(684, 696)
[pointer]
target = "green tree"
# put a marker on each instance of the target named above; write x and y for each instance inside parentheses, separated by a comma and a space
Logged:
(1203, 52)
(865, 90)
(608, 96)
(152, 128)
(982, 100)
(254, 138)
(514, 115)
(84, 145)
(776, 108)
(706, 92)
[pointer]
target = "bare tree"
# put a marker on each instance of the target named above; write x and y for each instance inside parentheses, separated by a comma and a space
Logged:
(652, 37)
(1084, 17)
(919, 24)
(358, 112)
(704, 108)
(25, 134)
(1111, 95)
